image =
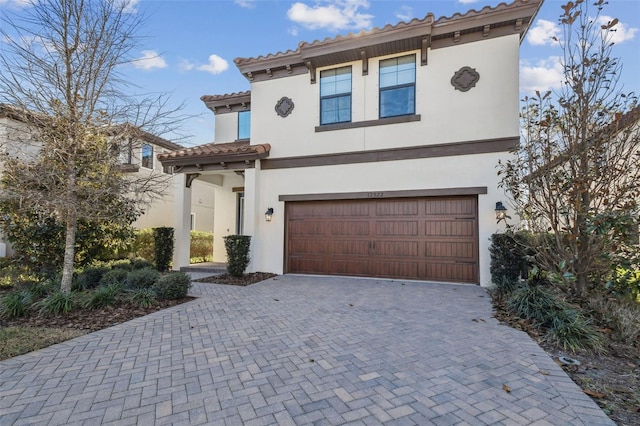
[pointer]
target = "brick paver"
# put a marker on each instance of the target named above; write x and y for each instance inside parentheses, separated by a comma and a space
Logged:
(300, 350)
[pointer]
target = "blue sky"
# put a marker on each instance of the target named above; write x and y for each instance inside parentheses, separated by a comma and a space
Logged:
(189, 45)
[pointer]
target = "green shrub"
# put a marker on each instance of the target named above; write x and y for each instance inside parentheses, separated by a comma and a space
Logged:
(509, 255)
(58, 303)
(104, 296)
(570, 330)
(163, 244)
(173, 286)
(89, 278)
(124, 264)
(143, 245)
(201, 247)
(15, 304)
(142, 278)
(114, 277)
(625, 282)
(14, 274)
(140, 263)
(143, 297)
(237, 253)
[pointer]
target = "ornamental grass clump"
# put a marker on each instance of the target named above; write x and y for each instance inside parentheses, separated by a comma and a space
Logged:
(15, 304)
(104, 297)
(58, 303)
(143, 297)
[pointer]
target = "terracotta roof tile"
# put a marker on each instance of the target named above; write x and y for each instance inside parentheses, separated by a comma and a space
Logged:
(215, 152)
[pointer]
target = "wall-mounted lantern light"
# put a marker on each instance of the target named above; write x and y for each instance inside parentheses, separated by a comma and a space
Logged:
(501, 212)
(268, 214)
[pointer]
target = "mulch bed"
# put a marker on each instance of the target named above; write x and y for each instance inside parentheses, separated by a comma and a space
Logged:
(245, 280)
(90, 319)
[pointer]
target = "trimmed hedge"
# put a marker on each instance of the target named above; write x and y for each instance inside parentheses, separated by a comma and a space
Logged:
(237, 253)
(509, 258)
(172, 286)
(163, 247)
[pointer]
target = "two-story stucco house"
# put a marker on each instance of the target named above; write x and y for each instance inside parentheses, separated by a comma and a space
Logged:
(371, 154)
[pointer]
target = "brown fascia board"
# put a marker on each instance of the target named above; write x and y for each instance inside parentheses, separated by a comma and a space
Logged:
(517, 16)
(231, 102)
(213, 159)
(143, 135)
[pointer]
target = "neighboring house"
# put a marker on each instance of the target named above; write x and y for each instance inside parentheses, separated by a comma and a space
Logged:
(138, 155)
(372, 154)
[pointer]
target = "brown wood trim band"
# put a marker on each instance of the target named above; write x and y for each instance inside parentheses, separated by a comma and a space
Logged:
(393, 154)
(412, 193)
(369, 123)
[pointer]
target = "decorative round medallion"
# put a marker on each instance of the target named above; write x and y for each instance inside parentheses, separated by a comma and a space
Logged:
(284, 106)
(465, 78)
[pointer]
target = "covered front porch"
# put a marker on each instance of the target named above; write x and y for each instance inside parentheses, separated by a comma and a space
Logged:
(230, 168)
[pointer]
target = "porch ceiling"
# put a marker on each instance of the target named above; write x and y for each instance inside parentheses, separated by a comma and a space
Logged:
(215, 156)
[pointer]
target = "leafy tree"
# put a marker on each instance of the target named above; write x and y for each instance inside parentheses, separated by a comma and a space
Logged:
(576, 175)
(59, 70)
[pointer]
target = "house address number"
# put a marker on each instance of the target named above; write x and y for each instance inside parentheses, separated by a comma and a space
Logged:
(375, 194)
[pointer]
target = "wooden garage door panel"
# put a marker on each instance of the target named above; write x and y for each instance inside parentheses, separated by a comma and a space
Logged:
(407, 270)
(446, 249)
(349, 247)
(355, 227)
(397, 208)
(307, 265)
(450, 228)
(418, 238)
(350, 267)
(396, 248)
(407, 228)
(450, 271)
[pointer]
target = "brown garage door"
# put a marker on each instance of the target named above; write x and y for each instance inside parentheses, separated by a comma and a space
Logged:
(412, 238)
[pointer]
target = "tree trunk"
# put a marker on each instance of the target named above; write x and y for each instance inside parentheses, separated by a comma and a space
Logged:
(69, 253)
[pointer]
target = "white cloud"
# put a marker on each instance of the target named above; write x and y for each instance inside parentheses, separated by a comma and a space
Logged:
(618, 33)
(546, 74)
(293, 31)
(468, 1)
(216, 65)
(150, 59)
(247, 4)
(405, 13)
(543, 33)
(185, 65)
(331, 14)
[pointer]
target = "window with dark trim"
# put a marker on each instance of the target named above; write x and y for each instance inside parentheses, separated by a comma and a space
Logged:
(147, 156)
(398, 86)
(244, 124)
(335, 96)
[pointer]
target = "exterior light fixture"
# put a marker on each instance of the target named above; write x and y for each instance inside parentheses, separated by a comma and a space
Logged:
(268, 214)
(501, 212)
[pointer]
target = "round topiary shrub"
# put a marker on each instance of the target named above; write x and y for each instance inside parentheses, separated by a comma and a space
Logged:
(89, 278)
(142, 278)
(173, 286)
(114, 277)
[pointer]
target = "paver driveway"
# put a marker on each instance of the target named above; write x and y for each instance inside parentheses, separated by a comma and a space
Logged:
(301, 350)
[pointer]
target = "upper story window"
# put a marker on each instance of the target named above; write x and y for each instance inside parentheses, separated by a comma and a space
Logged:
(335, 95)
(244, 124)
(398, 86)
(147, 156)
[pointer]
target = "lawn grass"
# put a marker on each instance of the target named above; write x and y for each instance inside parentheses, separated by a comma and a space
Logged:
(21, 340)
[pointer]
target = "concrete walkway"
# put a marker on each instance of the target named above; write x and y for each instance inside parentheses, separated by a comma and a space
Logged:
(301, 350)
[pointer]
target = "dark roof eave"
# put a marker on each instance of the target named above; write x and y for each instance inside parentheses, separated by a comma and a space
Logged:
(214, 159)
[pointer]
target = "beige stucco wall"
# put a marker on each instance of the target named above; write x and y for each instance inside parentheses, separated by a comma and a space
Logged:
(435, 173)
(225, 213)
(447, 115)
(226, 127)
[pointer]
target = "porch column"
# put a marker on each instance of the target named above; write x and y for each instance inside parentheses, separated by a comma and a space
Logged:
(251, 206)
(182, 236)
